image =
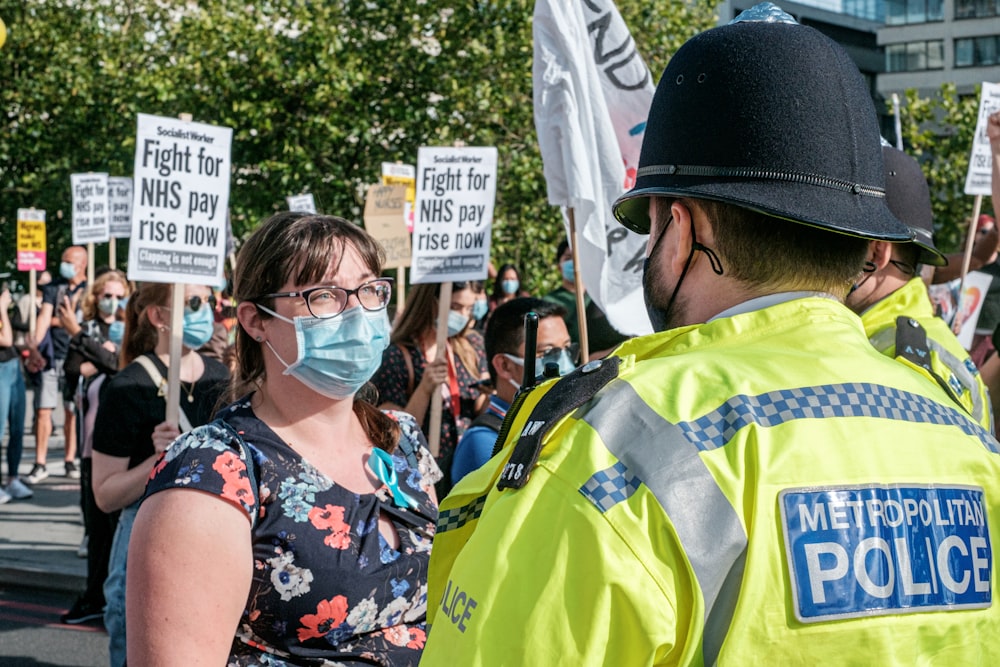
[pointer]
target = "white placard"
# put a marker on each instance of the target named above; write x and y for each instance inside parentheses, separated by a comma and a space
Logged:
(180, 201)
(303, 203)
(120, 201)
(90, 208)
(456, 191)
(970, 304)
(978, 180)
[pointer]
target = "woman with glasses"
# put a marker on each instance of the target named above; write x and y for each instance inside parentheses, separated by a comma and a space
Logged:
(412, 371)
(296, 528)
(130, 429)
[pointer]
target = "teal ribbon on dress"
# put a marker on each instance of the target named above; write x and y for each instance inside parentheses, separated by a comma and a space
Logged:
(381, 464)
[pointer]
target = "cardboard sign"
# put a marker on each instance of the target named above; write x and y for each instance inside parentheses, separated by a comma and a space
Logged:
(30, 239)
(402, 174)
(978, 180)
(180, 201)
(303, 203)
(385, 220)
(456, 190)
(90, 208)
(970, 305)
(120, 201)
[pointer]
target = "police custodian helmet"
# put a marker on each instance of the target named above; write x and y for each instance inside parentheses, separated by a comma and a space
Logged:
(909, 199)
(769, 115)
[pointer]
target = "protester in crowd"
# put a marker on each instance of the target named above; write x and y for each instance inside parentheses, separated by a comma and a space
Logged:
(689, 499)
(505, 352)
(506, 286)
(892, 288)
(12, 403)
(411, 370)
(130, 429)
(322, 507)
(93, 355)
(58, 320)
(601, 336)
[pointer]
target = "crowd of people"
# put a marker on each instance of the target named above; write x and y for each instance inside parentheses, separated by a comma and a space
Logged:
(798, 465)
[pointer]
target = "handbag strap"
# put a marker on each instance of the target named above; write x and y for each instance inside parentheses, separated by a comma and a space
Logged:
(251, 464)
(161, 388)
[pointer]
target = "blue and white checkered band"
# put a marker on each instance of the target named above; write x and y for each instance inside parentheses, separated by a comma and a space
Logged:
(606, 488)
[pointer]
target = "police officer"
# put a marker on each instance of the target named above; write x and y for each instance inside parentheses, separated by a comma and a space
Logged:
(892, 291)
(754, 483)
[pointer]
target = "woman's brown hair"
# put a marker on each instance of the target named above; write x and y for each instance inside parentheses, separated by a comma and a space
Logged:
(300, 247)
(140, 334)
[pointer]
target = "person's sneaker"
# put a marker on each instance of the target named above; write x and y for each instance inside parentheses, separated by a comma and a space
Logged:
(4, 497)
(81, 612)
(18, 490)
(37, 474)
(81, 551)
(72, 471)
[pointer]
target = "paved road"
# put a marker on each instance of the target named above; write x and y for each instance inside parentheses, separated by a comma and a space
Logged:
(31, 634)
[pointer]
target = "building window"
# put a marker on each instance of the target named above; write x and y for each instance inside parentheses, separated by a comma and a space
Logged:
(976, 9)
(914, 56)
(901, 12)
(977, 51)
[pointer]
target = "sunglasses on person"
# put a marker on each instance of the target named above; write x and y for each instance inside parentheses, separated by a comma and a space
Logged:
(194, 303)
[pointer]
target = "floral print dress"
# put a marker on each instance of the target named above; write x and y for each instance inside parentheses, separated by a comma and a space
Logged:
(327, 588)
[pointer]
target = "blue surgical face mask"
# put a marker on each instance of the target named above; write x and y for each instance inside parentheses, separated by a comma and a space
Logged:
(116, 332)
(510, 286)
(566, 364)
(338, 355)
(108, 306)
(456, 323)
(568, 273)
(198, 327)
(67, 270)
(480, 308)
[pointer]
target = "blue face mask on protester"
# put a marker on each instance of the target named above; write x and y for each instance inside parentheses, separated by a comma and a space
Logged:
(456, 322)
(116, 332)
(510, 286)
(565, 362)
(108, 306)
(337, 355)
(568, 272)
(67, 270)
(480, 308)
(198, 327)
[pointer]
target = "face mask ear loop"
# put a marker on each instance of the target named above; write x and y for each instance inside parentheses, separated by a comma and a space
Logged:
(713, 258)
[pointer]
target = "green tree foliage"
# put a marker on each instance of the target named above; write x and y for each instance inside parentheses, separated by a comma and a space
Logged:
(938, 132)
(318, 95)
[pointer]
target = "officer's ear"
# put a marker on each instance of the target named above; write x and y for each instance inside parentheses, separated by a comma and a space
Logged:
(680, 250)
(879, 254)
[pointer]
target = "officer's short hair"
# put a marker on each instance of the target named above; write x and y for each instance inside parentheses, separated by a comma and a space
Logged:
(505, 327)
(760, 250)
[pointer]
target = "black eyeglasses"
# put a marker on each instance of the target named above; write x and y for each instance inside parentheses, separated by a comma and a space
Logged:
(553, 353)
(194, 303)
(326, 302)
(904, 267)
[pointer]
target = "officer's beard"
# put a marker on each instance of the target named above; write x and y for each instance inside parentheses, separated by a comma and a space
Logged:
(664, 308)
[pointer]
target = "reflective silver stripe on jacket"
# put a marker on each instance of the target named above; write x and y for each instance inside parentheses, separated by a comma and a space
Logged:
(659, 454)
(961, 372)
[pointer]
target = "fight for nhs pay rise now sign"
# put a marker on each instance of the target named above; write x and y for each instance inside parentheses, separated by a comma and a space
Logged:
(180, 200)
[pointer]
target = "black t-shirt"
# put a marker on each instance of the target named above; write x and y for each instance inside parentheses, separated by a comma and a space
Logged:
(130, 408)
(52, 294)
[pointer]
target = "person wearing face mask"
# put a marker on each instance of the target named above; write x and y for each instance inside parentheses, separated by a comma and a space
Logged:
(321, 507)
(506, 286)
(731, 489)
(504, 342)
(91, 360)
(412, 371)
(130, 428)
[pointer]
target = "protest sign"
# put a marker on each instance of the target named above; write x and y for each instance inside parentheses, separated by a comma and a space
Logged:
(120, 201)
(394, 173)
(970, 304)
(978, 180)
(456, 190)
(303, 203)
(90, 208)
(30, 239)
(180, 201)
(384, 209)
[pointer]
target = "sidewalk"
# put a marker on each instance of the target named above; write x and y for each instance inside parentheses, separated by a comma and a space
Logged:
(39, 536)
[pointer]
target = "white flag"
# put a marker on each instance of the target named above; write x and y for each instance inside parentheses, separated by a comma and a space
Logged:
(592, 93)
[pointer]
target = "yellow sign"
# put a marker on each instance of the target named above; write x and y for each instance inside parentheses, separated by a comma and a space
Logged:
(30, 235)
(31, 242)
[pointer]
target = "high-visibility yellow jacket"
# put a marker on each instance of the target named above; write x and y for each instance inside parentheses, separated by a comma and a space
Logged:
(948, 359)
(764, 488)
